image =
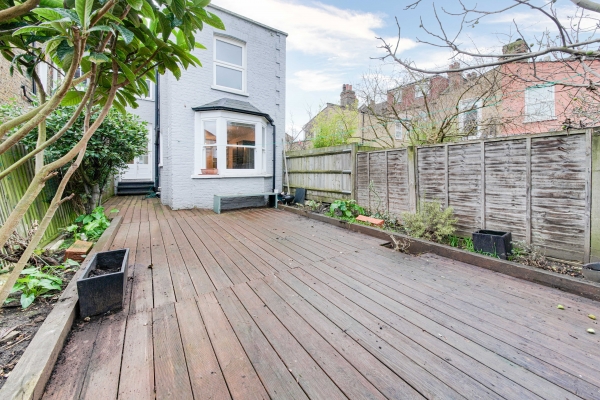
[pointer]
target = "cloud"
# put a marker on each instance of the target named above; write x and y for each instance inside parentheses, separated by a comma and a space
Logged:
(317, 29)
(317, 80)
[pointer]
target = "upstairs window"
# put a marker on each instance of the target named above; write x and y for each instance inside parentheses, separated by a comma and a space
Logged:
(422, 89)
(539, 103)
(399, 131)
(150, 94)
(469, 119)
(230, 65)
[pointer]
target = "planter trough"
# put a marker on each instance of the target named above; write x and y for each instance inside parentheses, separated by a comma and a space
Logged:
(102, 286)
(591, 272)
(493, 242)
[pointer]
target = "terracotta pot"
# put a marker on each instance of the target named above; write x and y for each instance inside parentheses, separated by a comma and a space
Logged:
(209, 171)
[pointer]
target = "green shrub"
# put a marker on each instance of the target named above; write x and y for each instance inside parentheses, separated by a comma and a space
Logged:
(345, 209)
(432, 222)
(91, 226)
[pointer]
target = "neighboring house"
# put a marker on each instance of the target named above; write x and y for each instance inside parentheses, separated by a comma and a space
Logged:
(15, 87)
(228, 116)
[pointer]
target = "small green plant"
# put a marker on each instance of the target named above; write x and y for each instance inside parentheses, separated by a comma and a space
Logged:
(40, 281)
(345, 209)
(431, 222)
(35, 283)
(469, 245)
(313, 205)
(91, 226)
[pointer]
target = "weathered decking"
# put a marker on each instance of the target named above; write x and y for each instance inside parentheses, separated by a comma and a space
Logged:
(267, 304)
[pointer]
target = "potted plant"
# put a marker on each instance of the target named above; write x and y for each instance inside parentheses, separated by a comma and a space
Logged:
(102, 286)
(493, 242)
(591, 272)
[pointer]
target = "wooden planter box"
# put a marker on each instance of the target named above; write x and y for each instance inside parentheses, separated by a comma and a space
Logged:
(102, 286)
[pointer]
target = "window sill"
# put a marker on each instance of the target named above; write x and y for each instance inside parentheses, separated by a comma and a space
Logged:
(530, 120)
(230, 176)
(224, 89)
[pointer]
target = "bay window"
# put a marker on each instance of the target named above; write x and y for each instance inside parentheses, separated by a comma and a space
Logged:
(232, 143)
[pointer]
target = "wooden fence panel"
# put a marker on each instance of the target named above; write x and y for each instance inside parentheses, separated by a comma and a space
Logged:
(538, 186)
(327, 173)
(431, 169)
(506, 187)
(13, 187)
(378, 183)
(558, 201)
(465, 184)
(362, 178)
(397, 182)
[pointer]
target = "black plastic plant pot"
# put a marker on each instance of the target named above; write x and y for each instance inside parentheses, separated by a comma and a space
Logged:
(102, 286)
(493, 243)
(591, 272)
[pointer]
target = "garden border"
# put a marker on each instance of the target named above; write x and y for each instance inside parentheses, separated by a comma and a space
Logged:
(565, 283)
(28, 379)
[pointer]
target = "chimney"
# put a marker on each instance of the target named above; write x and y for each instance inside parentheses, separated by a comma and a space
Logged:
(517, 47)
(347, 97)
(455, 78)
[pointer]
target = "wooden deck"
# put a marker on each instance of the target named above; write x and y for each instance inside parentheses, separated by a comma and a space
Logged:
(266, 304)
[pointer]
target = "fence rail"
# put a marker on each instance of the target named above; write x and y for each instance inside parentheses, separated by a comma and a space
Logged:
(327, 173)
(538, 186)
(14, 186)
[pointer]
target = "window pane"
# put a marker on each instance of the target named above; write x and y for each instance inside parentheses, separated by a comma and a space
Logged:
(210, 132)
(228, 77)
(210, 156)
(241, 134)
(228, 52)
(240, 157)
(264, 137)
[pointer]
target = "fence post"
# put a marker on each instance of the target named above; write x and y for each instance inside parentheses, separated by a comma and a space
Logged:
(447, 173)
(413, 191)
(354, 171)
(592, 253)
(528, 192)
(483, 184)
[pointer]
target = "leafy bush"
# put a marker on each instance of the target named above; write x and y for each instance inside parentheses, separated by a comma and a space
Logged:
(40, 281)
(118, 140)
(345, 209)
(91, 226)
(431, 222)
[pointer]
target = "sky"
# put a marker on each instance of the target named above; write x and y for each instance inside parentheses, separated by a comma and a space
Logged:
(333, 42)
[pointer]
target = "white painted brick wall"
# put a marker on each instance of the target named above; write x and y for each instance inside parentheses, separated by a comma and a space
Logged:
(266, 88)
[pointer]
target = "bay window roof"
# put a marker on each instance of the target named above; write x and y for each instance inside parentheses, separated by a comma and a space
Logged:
(233, 105)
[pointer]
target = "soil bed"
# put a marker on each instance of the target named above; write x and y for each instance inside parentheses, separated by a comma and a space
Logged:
(18, 327)
(100, 272)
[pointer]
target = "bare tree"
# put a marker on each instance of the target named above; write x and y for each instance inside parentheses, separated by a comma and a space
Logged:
(411, 108)
(571, 40)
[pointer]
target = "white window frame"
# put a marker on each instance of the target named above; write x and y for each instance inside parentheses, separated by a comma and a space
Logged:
(221, 118)
(150, 96)
(529, 115)
(224, 64)
(466, 105)
(399, 131)
(422, 89)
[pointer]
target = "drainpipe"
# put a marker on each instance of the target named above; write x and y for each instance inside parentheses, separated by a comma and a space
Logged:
(156, 132)
(274, 154)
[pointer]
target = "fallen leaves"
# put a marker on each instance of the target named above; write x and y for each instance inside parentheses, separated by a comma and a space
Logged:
(560, 307)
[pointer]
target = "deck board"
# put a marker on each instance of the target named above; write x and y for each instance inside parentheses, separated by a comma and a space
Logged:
(261, 304)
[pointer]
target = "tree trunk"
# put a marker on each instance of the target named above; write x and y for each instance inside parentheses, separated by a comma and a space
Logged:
(94, 199)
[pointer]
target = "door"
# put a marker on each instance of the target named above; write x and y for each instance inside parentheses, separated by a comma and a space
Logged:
(140, 168)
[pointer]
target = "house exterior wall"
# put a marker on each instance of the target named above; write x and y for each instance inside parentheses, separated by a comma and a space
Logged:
(266, 74)
(10, 85)
(571, 103)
